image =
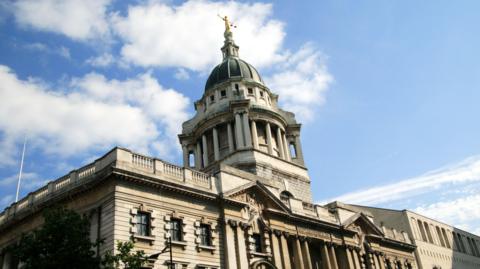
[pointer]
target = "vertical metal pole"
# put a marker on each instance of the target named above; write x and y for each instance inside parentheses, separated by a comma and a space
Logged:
(21, 168)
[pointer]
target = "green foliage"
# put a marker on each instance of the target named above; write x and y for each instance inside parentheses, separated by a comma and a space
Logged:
(62, 242)
(125, 258)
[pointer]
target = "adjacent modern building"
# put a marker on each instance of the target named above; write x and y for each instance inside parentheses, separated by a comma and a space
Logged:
(242, 198)
(439, 245)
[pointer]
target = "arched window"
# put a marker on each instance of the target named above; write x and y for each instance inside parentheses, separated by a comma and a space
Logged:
(293, 150)
(191, 159)
(285, 197)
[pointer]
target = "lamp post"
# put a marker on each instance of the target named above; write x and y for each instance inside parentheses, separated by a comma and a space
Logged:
(165, 249)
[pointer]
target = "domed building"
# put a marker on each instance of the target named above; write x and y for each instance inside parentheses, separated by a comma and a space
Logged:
(242, 198)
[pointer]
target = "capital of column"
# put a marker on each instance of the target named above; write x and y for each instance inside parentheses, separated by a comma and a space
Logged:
(277, 233)
(232, 223)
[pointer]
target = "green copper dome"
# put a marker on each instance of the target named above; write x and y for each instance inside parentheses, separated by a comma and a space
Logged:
(232, 67)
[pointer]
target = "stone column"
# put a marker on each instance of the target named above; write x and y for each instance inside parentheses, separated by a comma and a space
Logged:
(297, 249)
(325, 257)
(350, 261)
(186, 162)
(254, 135)
(198, 156)
(307, 260)
(246, 131)
(277, 256)
(356, 259)
(205, 151)
(269, 138)
(216, 151)
(287, 148)
(285, 254)
(381, 261)
(231, 255)
(298, 147)
(242, 249)
(231, 146)
(238, 131)
(375, 260)
(333, 257)
(280, 143)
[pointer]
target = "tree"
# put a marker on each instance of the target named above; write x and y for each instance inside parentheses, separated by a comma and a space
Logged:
(125, 258)
(62, 242)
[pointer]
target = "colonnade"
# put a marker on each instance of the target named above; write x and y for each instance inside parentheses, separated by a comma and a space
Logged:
(297, 252)
(242, 133)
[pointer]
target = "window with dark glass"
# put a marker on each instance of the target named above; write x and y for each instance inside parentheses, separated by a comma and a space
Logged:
(212, 98)
(143, 223)
(250, 91)
(176, 230)
(223, 93)
(257, 239)
(205, 235)
(261, 94)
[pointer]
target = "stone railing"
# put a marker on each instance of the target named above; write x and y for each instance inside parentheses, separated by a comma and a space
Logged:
(121, 159)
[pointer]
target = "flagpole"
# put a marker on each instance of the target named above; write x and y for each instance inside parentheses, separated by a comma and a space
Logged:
(21, 169)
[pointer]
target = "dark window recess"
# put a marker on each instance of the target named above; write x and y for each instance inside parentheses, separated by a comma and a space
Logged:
(212, 98)
(250, 91)
(257, 239)
(176, 230)
(223, 93)
(143, 223)
(205, 235)
(261, 94)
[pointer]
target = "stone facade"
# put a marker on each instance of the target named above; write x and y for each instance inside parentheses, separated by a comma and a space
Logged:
(439, 245)
(241, 200)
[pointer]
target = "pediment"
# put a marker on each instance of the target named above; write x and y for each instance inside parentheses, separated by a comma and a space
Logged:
(362, 224)
(256, 194)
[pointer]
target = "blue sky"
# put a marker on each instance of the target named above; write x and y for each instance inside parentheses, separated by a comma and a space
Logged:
(387, 91)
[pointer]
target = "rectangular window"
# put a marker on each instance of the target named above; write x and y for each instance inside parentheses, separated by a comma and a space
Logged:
(261, 94)
(250, 91)
(257, 239)
(143, 224)
(212, 98)
(176, 230)
(446, 238)
(223, 93)
(205, 235)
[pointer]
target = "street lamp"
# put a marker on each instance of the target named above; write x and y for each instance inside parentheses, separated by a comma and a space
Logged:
(165, 249)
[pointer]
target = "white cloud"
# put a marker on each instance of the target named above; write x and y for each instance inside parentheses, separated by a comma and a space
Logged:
(103, 60)
(462, 212)
(96, 114)
(40, 47)
(190, 35)
(301, 81)
(467, 170)
(181, 74)
(448, 194)
(79, 20)
(29, 181)
(6, 200)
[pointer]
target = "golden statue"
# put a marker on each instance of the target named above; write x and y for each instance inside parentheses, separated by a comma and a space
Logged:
(228, 24)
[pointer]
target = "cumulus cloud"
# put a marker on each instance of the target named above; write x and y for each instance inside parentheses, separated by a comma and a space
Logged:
(96, 113)
(301, 81)
(103, 60)
(465, 171)
(462, 211)
(79, 20)
(29, 181)
(41, 47)
(186, 35)
(181, 74)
